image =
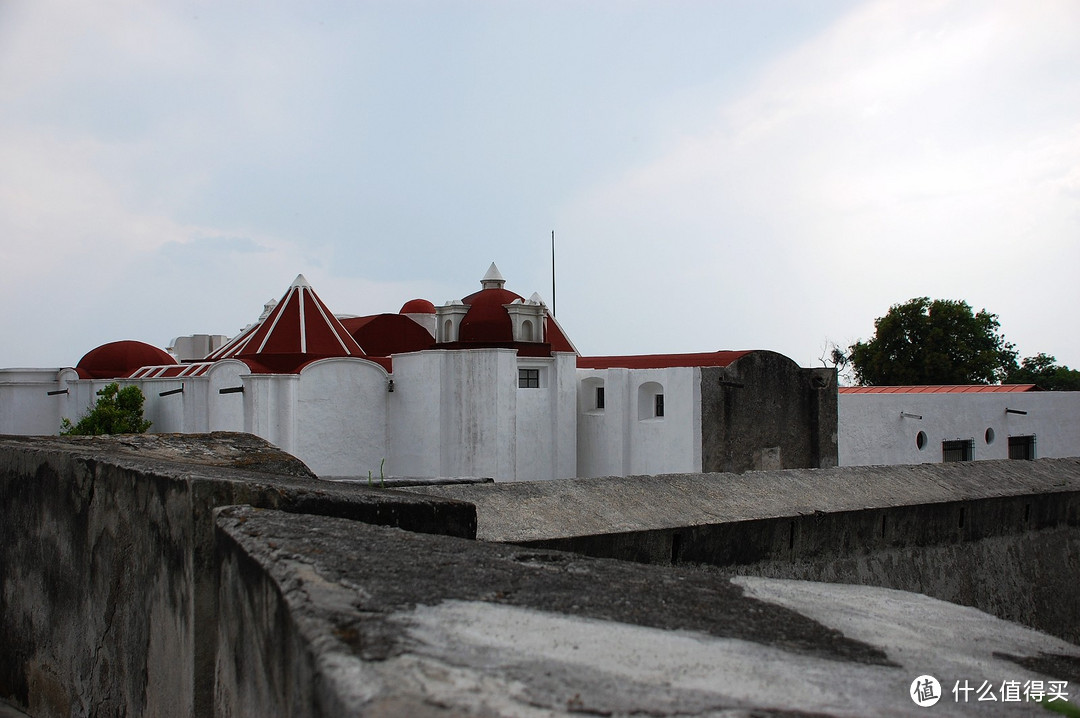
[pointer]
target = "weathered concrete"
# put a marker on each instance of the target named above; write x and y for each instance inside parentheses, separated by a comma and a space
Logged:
(108, 581)
(1003, 536)
(764, 411)
(322, 617)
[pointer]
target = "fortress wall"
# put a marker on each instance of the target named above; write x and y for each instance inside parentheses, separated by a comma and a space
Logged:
(1017, 558)
(108, 577)
(1002, 536)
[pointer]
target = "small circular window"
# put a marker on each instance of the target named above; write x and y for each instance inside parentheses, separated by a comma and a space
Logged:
(920, 440)
(989, 436)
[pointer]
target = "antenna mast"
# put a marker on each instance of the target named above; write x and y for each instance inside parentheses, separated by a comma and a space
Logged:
(553, 272)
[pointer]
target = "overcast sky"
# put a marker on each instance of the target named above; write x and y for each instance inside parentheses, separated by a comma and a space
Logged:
(719, 175)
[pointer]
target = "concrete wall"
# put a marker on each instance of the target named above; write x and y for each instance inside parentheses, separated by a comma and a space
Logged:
(130, 585)
(341, 417)
(625, 437)
(25, 405)
(109, 579)
(763, 411)
(461, 413)
(884, 428)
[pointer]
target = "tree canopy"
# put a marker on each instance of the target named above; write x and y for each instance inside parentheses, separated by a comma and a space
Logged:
(1043, 370)
(118, 411)
(938, 341)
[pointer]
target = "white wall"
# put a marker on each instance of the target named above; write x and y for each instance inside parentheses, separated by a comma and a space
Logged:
(224, 412)
(461, 413)
(166, 413)
(546, 432)
(270, 409)
(874, 430)
(25, 405)
(624, 438)
(341, 417)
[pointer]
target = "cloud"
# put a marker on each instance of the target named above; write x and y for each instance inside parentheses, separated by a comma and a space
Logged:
(909, 149)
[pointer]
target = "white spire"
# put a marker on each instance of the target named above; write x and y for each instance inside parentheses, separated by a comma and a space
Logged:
(493, 279)
(301, 281)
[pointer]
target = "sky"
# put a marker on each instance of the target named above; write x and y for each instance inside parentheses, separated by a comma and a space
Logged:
(718, 175)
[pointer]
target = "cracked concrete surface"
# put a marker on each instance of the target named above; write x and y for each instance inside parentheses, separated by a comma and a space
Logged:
(424, 625)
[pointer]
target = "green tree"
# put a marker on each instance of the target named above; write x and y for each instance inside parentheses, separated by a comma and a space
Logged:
(118, 411)
(1043, 370)
(933, 342)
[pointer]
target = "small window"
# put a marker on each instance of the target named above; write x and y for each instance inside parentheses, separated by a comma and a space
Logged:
(599, 397)
(960, 450)
(650, 401)
(528, 378)
(1022, 447)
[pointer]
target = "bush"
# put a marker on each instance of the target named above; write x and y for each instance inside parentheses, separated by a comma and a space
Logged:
(118, 411)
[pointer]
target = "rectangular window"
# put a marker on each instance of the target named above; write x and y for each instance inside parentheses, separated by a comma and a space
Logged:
(659, 405)
(528, 378)
(599, 397)
(960, 450)
(1022, 447)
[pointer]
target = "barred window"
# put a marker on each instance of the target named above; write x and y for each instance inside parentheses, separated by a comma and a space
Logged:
(960, 450)
(1022, 447)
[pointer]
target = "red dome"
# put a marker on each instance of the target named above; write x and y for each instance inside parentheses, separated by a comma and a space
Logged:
(117, 360)
(487, 319)
(417, 306)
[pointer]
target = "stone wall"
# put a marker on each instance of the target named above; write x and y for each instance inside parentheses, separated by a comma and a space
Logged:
(1002, 536)
(109, 580)
(765, 412)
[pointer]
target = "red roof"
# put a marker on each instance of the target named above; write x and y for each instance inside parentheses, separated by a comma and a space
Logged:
(116, 360)
(300, 329)
(660, 361)
(417, 306)
(385, 334)
(170, 371)
(556, 337)
(940, 389)
(487, 319)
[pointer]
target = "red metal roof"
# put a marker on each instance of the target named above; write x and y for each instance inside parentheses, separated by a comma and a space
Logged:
(660, 361)
(300, 329)
(385, 334)
(117, 360)
(417, 306)
(940, 389)
(170, 371)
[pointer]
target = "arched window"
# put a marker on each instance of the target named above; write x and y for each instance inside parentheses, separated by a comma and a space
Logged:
(651, 400)
(448, 331)
(526, 331)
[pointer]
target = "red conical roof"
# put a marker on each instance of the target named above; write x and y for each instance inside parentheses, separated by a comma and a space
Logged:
(298, 330)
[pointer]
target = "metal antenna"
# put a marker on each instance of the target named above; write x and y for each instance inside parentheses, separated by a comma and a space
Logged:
(553, 272)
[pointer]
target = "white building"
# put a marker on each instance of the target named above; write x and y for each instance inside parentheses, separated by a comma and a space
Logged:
(929, 424)
(490, 385)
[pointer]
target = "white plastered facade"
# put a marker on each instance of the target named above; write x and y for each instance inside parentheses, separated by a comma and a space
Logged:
(884, 428)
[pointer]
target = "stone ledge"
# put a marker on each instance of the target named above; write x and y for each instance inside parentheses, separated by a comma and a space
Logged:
(374, 621)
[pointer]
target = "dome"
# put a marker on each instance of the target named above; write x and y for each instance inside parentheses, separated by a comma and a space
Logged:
(487, 319)
(117, 360)
(417, 306)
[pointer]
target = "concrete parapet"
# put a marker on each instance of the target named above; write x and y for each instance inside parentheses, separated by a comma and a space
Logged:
(109, 581)
(167, 576)
(1002, 536)
(321, 617)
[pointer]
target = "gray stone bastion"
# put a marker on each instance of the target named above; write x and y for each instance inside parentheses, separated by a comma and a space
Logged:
(212, 575)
